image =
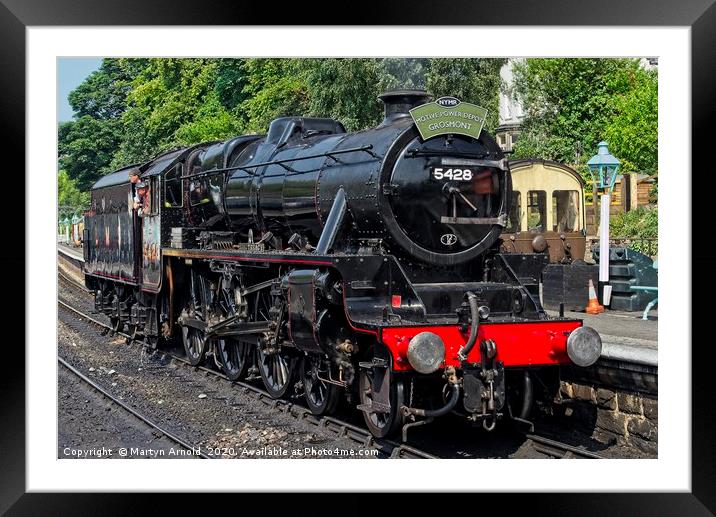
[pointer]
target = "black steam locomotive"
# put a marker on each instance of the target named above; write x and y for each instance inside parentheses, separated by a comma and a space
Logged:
(347, 266)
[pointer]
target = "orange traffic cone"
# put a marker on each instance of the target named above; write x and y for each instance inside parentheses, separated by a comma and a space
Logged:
(593, 307)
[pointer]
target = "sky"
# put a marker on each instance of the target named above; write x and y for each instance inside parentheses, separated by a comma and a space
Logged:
(70, 74)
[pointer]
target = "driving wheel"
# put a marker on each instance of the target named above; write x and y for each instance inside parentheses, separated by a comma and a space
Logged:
(322, 396)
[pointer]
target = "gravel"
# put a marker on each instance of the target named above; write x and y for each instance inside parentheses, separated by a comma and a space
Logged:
(189, 403)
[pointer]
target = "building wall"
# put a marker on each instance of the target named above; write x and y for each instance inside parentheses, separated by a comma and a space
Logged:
(511, 111)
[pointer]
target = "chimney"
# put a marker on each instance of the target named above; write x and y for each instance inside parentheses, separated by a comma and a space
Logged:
(398, 103)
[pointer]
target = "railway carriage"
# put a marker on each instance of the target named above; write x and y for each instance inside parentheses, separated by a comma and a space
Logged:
(546, 211)
(344, 266)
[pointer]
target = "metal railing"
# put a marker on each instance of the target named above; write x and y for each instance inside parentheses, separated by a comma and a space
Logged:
(648, 246)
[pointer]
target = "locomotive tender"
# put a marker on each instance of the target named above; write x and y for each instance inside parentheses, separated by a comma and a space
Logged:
(361, 266)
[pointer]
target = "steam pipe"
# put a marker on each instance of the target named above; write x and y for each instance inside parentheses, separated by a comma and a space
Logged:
(333, 223)
(475, 317)
(434, 413)
(527, 397)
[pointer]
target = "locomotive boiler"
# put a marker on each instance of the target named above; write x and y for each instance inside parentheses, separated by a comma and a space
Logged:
(361, 266)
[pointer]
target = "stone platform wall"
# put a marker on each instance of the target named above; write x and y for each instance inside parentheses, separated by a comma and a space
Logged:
(627, 418)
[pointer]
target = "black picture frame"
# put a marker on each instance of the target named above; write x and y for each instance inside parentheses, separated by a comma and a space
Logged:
(699, 15)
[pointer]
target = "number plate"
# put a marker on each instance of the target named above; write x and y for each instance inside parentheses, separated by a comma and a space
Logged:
(451, 173)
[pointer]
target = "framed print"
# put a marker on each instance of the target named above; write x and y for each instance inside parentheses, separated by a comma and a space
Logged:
(39, 35)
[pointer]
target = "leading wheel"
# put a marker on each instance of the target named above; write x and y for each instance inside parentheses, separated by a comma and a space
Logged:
(383, 421)
(234, 357)
(277, 371)
(322, 396)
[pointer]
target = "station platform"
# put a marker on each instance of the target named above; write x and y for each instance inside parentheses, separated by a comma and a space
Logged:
(73, 251)
(625, 336)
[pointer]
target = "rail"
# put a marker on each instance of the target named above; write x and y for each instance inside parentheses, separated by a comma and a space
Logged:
(171, 436)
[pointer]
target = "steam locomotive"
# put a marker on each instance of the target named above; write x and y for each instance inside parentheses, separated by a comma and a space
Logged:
(362, 267)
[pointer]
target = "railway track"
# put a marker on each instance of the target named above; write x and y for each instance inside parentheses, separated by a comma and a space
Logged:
(72, 281)
(155, 426)
(555, 449)
(338, 427)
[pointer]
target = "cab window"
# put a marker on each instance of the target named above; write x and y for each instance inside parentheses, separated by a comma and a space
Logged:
(172, 187)
(199, 191)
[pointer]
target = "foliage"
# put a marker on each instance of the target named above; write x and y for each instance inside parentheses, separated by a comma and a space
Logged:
(343, 89)
(274, 88)
(165, 95)
(572, 104)
(632, 130)
(347, 89)
(231, 79)
(398, 73)
(70, 199)
(641, 223)
(470, 80)
(86, 147)
(212, 122)
(87, 144)
(103, 94)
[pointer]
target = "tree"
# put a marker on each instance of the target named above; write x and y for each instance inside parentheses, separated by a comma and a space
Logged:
(470, 80)
(86, 147)
(163, 97)
(70, 199)
(87, 144)
(173, 102)
(133, 109)
(103, 94)
(399, 73)
(572, 104)
(273, 88)
(231, 79)
(211, 122)
(343, 89)
(633, 129)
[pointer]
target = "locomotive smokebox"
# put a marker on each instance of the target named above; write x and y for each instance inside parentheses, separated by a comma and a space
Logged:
(398, 103)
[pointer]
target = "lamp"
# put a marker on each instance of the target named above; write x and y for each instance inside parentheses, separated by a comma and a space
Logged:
(603, 167)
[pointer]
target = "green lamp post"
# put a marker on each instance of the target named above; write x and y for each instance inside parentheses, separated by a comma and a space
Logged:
(603, 167)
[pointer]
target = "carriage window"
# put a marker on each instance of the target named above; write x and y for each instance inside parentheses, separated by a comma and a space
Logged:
(513, 220)
(536, 210)
(565, 211)
(199, 191)
(172, 187)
